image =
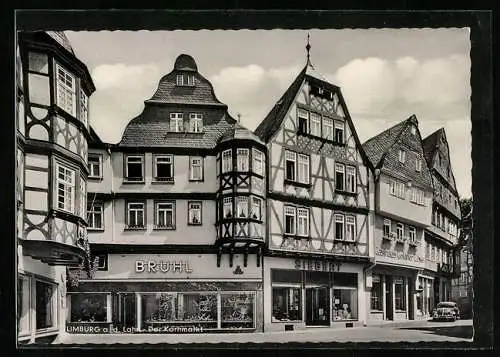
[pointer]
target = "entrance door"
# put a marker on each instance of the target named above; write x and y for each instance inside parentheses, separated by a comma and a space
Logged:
(389, 312)
(317, 306)
(128, 311)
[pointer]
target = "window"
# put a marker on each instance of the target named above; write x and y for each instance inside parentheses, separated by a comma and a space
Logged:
(242, 160)
(190, 79)
(399, 294)
(303, 119)
(95, 216)
(339, 227)
(84, 112)
(101, 262)
(135, 215)
(350, 228)
(258, 162)
(402, 156)
(412, 234)
(66, 90)
(339, 177)
(303, 222)
(290, 220)
(176, 123)
(315, 124)
(89, 307)
(351, 179)
(397, 188)
(303, 169)
(339, 132)
(23, 304)
(427, 250)
(164, 168)
(195, 122)
(194, 213)
(345, 296)
(180, 80)
(45, 304)
(65, 188)
(387, 227)
(94, 165)
(165, 215)
(242, 206)
(196, 168)
(228, 207)
(328, 132)
(413, 130)
(134, 167)
(417, 196)
(256, 208)
(237, 310)
(400, 231)
(418, 165)
(227, 161)
(376, 294)
(287, 304)
(291, 161)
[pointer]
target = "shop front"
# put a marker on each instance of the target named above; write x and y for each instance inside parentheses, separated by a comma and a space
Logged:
(301, 293)
(169, 293)
(425, 296)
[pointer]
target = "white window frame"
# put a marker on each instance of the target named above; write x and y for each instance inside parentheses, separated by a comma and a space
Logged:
(417, 196)
(339, 126)
(68, 186)
(179, 80)
(350, 228)
(418, 165)
(91, 165)
(304, 114)
(84, 108)
(413, 130)
(292, 157)
(138, 207)
(196, 122)
(242, 206)
(400, 228)
(190, 80)
(412, 234)
(397, 188)
(350, 173)
(258, 162)
(256, 208)
(401, 156)
(387, 223)
(303, 222)
(141, 159)
(227, 161)
(96, 209)
(193, 207)
(227, 207)
(328, 129)
(339, 218)
(196, 162)
(65, 90)
(290, 211)
(242, 160)
(53, 302)
(340, 168)
(176, 122)
(315, 124)
(163, 210)
(303, 164)
(164, 159)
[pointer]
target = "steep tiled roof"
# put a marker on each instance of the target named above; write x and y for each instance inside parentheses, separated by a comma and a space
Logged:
(95, 140)
(61, 38)
(273, 120)
(431, 144)
(379, 145)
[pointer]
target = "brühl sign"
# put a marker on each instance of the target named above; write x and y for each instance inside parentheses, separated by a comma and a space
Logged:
(163, 266)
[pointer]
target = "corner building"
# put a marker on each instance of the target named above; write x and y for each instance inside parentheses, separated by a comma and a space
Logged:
(319, 209)
(176, 216)
(400, 288)
(53, 88)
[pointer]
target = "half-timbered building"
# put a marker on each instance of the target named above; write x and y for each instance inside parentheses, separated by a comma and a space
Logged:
(400, 289)
(176, 218)
(318, 209)
(53, 87)
(441, 237)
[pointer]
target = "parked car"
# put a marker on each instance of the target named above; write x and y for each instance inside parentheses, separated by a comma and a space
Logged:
(446, 310)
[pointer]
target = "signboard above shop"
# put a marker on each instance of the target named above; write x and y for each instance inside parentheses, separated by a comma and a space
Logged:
(401, 258)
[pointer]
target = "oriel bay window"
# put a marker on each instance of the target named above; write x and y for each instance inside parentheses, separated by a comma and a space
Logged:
(256, 208)
(136, 215)
(228, 207)
(399, 294)
(242, 157)
(195, 122)
(196, 168)
(315, 124)
(84, 105)
(95, 216)
(164, 168)
(65, 188)
(258, 162)
(303, 222)
(165, 215)
(134, 168)
(290, 213)
(303, 119)
(227, 161)
(340, 177)
(194, 213)
(242, 206)
(176, 122)
(339, 227)
(66, 90)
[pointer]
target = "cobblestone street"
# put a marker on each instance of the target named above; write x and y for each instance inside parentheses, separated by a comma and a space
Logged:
(414, 331)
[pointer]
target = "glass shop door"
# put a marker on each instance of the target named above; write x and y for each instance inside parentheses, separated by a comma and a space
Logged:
(317, 306)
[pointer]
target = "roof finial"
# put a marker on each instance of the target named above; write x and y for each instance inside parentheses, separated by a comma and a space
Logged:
(308, 48)
(239, 117)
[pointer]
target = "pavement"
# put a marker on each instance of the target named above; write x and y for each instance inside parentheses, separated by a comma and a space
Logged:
(407, 331)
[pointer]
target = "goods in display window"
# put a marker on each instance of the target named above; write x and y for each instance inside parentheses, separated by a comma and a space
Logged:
(287, 304)
(237, 310)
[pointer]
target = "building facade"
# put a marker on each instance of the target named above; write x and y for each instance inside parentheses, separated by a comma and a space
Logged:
(53, 88)
(176, 217)
(400, 289)
(319, 209)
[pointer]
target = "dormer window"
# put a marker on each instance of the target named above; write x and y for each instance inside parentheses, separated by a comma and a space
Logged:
(303, 118)
(190, 80)
(413, 130)
(402, 156)
(195, 122)
(176, 122)
(180, 80)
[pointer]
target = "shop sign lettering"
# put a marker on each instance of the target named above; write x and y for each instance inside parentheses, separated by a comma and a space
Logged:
(163, 266)
(316, 265)
(399, 256)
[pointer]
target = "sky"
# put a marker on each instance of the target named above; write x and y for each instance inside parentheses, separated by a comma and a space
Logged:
(385, 76)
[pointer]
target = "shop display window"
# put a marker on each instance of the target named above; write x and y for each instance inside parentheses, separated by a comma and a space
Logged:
(88, 307)
(23, 305)
(287, 304)
(345, 304)
(399, 294)
(45, 304)
(237, 310)
(376, 294)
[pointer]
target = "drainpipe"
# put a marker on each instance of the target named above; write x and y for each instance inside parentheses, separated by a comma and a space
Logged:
(373, 263)
(108, 149)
